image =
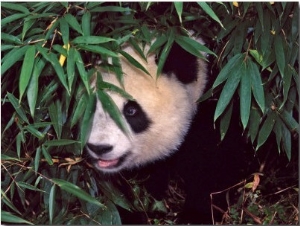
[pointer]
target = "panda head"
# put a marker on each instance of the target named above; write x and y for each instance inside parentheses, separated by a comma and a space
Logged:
(158, 117)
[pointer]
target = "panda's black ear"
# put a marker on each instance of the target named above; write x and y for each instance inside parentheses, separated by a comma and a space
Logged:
(182, 63)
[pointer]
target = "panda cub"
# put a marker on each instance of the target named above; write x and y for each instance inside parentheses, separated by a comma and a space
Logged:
(159, 116)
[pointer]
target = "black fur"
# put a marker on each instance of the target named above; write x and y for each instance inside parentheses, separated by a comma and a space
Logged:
(183, 64)
(136, 117)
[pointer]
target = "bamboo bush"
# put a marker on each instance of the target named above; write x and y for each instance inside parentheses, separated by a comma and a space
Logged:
(50, 52)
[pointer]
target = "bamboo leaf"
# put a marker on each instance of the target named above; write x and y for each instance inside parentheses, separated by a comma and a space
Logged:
(14, 6)
(279, 53)
(87, 119)
(232, 64)
(245, 96)
(179, 7)
(82, 72)
(28, 186)
(52, 202)
(134, 62)
(26, 70)
(225, 120)
(228, 90)
(10, 218)
(64, 29)
(257, 86)
(90, 40)
(12, 18)
(33, 86)
(47, 155)
(76, 191)
(86, 23)
(192, 46)
(15, 103)
(165, 52)
(254, 123)
(266, 129)
(210, 12)
(98, 49)
(12, 57)
(34, 131)
(51, 58)
(60, 142)
(73, 23)
(37, 159)
(111, 108)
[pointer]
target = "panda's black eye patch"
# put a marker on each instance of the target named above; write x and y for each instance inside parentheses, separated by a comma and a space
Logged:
(136, 117)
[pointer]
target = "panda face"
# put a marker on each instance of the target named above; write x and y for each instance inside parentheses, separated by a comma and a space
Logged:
(158, 118)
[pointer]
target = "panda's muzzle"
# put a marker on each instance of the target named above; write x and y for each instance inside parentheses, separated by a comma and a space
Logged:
(98, 151)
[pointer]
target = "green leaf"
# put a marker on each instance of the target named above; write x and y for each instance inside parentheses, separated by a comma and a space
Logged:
(231, 66)
(111, 108)
(27, 25)
(10, 218)
(79, 109)
(47, 156)
(50, 57)
(110, 9)
(55, 113)
(266, 129)
(34, 132)
(289, 121)
(15, 103)
(19, 139)
(257, 86)
(245, 96)
(111, 87)
(12, 18)
(73, 23)
(160, 41)
(254, 122)
(87, 119)
(76, 191)
(229, 89)
(279, 53)
(165, 52)
(14, 6)
(82, 72)
(134, 62)
(60, 142)
(52, 203)
(26, 70)
(12, 57)
(37, 159)
(287, 141)
(64, 29)
(90, 40)
(179, 7)
(193, 46)
(28, 186)
(210, 12)
(86, 23)
(225, 120)
(33, 86)
(71, 67)
(98, 49)
(8, 202)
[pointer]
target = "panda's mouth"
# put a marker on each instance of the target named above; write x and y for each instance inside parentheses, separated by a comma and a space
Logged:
(110, 163)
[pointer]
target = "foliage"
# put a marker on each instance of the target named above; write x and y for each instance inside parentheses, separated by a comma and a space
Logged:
(49, 54)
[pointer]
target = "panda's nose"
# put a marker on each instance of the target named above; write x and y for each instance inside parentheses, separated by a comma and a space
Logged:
(99, 149)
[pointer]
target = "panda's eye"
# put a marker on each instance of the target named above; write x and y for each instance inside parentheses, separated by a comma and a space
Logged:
(131, 109)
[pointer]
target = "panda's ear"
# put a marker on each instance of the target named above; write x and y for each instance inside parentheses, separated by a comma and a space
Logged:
(181, 63)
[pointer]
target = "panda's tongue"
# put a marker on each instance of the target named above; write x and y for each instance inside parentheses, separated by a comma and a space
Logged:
(107, 163)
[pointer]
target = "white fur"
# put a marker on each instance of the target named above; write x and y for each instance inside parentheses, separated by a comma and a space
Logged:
(168, 103)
